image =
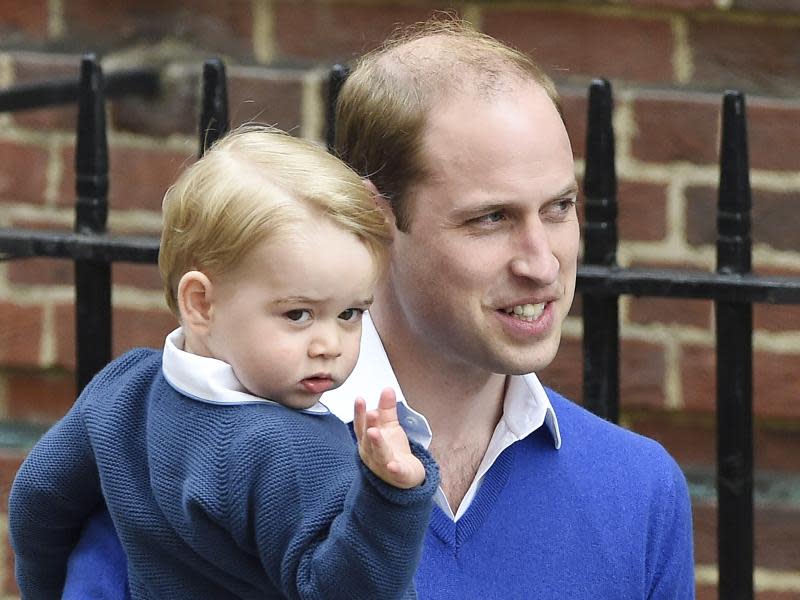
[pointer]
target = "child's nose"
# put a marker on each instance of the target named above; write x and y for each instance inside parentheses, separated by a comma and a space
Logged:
(326, 342)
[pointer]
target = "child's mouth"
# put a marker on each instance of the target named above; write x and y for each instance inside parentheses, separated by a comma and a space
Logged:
(317, 384)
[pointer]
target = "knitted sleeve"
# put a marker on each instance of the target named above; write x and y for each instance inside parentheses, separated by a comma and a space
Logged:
(55, 490)
(355, 537)
(671, 547)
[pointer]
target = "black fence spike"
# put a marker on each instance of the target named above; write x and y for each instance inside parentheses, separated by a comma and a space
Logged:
(734, 339)
(92, 278)
(336, 80)
(91, 154)
(214, 120)
(600, 313)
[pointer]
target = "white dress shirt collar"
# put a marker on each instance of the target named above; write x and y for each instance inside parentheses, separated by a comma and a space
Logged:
(526, 408)
(208, 379)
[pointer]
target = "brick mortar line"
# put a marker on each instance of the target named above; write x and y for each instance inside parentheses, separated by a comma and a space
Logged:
(64, 139)
(673, 388)
(53, 174)
(6, 69)
(473, 14)
(48, 354)
(720, 13)
(784, 343)
(35, 137)
(664, 334)
(124, 296)
(312, 105)
(5, 559)
(682, 58)
(572, 328)
(120, 222)
(782, 20)
(676, 211)
(263, 31)
(41, 213)
(702, 257)
(56, 23)
(629, 168)
(766, 580)
(776, 342)
(624, 124)
(31, 295)
(624, 11)
(4, 400)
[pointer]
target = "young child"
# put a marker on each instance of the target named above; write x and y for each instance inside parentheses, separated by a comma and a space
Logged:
(223, 474)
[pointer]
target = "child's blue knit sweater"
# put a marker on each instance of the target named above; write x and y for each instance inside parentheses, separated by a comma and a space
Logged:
(247, 501)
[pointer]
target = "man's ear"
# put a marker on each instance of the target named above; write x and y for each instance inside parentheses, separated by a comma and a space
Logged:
(195, 301)
(382, 203)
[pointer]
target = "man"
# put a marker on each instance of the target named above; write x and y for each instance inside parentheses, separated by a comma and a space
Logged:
(461, 140)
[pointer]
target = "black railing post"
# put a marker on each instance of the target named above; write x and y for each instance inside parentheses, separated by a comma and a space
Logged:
(600, 313)
(734, 333)
(336, 80)
(214, 122)
(92, 278)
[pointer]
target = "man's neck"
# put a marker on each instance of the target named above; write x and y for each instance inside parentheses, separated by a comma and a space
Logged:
(462, 404)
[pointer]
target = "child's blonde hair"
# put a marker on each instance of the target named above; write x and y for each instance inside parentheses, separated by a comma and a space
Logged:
(255, 182)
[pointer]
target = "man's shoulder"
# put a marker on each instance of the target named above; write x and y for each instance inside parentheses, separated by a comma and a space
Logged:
(609, 446)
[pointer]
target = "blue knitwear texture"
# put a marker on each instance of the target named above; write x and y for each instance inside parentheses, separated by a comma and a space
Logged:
(209, 501)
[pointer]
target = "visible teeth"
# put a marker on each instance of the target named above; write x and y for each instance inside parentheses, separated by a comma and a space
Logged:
(527, 312)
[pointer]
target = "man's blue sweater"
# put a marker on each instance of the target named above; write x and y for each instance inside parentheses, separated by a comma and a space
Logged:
(605, 517)
(246, 501)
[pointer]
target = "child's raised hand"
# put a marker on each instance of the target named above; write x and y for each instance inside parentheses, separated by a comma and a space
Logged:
(383, 445)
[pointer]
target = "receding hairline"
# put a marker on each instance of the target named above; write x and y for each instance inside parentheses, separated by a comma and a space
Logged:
(445, 57)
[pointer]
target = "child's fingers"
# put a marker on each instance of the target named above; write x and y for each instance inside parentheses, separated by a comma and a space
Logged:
(380, 451)
(387, 406)
(359, 419)
(388, 399)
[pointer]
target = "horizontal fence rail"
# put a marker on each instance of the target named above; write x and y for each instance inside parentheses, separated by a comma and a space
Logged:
(118, 84)
(592, 279)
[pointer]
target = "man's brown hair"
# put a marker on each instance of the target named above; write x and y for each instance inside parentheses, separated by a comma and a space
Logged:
(384, 104)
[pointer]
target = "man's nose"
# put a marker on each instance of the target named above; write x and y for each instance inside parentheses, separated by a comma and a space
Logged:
(325, 342)
(533, 254)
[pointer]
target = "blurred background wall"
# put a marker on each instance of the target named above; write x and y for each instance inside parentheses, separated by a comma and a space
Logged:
(668, 60)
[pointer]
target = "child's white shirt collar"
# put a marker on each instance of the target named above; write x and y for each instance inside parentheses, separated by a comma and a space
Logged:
(209, 379)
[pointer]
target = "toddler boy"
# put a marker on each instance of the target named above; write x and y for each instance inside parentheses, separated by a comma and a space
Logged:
(223, 474)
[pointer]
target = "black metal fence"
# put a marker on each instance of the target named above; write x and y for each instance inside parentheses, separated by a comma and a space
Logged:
(601, 281)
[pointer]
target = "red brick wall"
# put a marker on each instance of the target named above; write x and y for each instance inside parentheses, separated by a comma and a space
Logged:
(669, 61)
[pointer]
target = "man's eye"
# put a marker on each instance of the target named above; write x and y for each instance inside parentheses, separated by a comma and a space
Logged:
(351, 314)
(565, 205)
(489, 218)
(300, 315)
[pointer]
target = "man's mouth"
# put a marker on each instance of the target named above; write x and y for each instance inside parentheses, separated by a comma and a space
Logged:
(526, 312)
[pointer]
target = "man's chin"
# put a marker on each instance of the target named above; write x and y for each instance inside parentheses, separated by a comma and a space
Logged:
(521, 361)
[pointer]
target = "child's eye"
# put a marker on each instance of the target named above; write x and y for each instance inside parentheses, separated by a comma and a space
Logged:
(300, 315)
(351, 314)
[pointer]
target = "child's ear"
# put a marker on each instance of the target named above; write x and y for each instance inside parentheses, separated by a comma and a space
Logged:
(382, 203)
(195, 301)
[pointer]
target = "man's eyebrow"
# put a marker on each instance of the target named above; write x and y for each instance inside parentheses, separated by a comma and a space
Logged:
(570, 189)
